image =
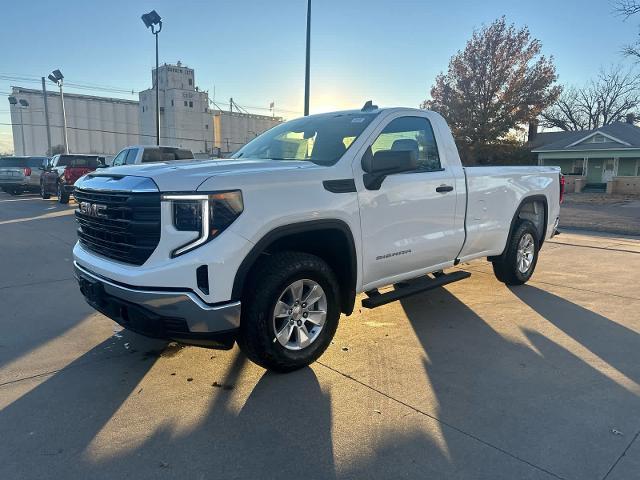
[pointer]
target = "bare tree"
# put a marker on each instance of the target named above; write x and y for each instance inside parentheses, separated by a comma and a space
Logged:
(609, 98)
(497, 83)
(626, 9)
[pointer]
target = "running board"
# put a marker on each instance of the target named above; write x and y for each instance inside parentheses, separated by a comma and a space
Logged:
(422, 284)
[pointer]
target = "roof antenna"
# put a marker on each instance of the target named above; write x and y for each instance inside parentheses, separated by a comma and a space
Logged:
(369, 106)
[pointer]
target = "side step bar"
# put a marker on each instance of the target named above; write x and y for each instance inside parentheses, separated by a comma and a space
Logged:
(422, 284)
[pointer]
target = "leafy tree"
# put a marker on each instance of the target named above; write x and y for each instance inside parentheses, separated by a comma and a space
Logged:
(613, 95)
(499, 82)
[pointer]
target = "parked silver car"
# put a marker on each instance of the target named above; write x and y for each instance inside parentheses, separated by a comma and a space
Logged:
(21, 174)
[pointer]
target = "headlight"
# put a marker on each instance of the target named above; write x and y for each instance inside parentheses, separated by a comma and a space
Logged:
(208, 214)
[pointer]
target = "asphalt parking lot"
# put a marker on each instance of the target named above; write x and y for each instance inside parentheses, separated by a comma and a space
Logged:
(473, 381)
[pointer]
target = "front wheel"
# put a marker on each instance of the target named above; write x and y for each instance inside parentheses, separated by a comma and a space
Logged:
(516, 265)
(62, 196)
(43, 191)
(290, 311)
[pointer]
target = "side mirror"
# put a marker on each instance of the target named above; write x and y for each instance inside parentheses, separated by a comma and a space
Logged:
(387, 162)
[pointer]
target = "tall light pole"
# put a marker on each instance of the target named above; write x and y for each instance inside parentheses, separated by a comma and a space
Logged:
(20, 104)
(57, 78)
(152, 19)
(307, 71)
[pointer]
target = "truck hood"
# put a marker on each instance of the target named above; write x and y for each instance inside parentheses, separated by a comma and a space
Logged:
(188, 176)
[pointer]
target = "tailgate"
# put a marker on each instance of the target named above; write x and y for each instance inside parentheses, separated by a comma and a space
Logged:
(71, 174)
(11, 173)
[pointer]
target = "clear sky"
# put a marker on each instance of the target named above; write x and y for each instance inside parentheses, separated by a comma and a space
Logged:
(253, 50)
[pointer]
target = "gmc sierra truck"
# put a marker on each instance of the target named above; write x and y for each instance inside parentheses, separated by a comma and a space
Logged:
(268, 248)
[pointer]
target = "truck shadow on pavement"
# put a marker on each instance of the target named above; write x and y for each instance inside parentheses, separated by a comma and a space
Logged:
(612, 342)
(517, 389)
(283, 429)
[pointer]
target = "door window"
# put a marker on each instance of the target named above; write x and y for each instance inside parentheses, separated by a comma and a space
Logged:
(119, 160)
(131, 156)
(411, 133)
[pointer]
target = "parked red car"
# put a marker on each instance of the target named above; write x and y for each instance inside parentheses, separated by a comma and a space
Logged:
(63, 171)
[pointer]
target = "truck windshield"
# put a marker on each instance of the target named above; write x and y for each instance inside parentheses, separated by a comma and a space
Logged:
(320, 139)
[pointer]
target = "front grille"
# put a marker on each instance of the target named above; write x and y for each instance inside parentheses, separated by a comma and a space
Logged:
(127, 228)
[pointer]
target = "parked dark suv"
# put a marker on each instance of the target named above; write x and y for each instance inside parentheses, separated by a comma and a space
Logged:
(63, 171)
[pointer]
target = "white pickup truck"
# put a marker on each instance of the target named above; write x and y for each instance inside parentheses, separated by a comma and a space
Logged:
(268, 248)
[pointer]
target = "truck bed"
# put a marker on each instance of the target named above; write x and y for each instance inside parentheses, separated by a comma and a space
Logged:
(492, 193)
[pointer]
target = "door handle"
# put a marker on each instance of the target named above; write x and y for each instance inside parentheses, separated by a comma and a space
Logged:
(444, 188)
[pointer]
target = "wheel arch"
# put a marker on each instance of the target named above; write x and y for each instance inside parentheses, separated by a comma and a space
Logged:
(303, 237)
(527, 211)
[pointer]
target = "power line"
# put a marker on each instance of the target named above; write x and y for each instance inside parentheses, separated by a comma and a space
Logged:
(112, 132)
(82, 86)
(113, 89)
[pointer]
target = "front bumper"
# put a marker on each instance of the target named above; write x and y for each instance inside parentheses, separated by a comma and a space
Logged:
(161, 313)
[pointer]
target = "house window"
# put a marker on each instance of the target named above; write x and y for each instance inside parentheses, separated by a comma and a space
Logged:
(185, 103)
(191, 104)
(598, 139)
(578, 167)
(206, 126)
(172, 103)
(190, 82)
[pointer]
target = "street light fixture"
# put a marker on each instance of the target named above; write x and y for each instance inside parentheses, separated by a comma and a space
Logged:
(151, 20)
(57, 78)
(21, 105)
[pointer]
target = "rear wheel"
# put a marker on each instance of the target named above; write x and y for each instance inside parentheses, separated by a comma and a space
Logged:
(516, 265)
(43, 192)
(62, 196)
(290, 311)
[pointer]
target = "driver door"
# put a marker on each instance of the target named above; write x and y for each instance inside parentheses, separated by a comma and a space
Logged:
(409, 223)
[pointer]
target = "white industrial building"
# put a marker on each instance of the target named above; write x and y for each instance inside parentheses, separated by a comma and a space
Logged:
(94, 124)
(105, 125)
(185, 118)
(234, 129)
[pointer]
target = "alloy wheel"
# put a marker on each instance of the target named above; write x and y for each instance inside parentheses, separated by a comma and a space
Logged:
(525, 253)
(299, 314)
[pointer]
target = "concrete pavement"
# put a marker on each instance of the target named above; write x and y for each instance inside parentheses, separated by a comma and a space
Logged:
(475, 380)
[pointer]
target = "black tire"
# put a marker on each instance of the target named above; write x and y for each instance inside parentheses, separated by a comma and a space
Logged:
(43, 193)
(505, 267)
(14, 191)
(268, 281)
(62, 196)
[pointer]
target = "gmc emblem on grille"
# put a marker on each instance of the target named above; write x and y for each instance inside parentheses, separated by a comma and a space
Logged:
(93, 209)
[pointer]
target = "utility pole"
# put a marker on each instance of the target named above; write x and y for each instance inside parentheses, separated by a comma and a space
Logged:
(307, 72)
(231, 105)
(157, 90)
(46, 116)
(64, 120)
